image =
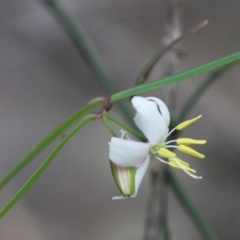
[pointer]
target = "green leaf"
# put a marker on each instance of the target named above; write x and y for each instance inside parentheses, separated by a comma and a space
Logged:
(143, 75)
(192, 100)
(44, 165)
(175, 78)
(49, 138)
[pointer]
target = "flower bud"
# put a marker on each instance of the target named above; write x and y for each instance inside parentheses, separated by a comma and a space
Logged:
(124, 178)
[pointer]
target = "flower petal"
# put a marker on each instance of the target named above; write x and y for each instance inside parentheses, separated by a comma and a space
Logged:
(163, 108)
(141, 170)
(149, 119)
(140, 174)
(127, 153)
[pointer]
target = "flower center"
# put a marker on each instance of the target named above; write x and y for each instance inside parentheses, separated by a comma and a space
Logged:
(161, 150)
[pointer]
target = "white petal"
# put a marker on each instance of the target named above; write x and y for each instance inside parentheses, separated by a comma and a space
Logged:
(138, 178)
(119, 198)
(140, 174)
(149, 119)
(127, 153)
(164, 136)
(163, 108)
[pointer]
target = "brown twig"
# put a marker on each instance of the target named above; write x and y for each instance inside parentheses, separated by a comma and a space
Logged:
(173, 26)
(156, 205)
(154, 211)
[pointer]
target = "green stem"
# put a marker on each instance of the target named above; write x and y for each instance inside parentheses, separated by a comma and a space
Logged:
(136, 134)
(143, 75)
(193, 99)
(44, 165)
(82, 44)
(49, 138)
(190, 208)
(109, 127)
(88, 53)
(175, 78)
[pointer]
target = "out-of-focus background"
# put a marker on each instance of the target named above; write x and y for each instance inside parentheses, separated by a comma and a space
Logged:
(43, 80)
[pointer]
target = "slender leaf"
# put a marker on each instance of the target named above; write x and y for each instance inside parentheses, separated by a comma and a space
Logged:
(142, 77)
(193, 99)
(89, 54)
(44, 165)
(49, 138)
(175, 78)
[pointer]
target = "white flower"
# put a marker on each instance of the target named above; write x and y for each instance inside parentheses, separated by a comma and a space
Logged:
(129, 159)
(128, 164)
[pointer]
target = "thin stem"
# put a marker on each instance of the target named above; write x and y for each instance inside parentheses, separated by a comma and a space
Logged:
(182, 196)
(157, 83)
(106, 123)
(44, 165)
(49, 138)
(143, 75)
(136, 134)
(88, 53)
(193, 99)
(82, 44)
(173, 26)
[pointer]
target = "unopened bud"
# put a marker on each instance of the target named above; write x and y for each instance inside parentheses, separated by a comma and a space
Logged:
(124, 178)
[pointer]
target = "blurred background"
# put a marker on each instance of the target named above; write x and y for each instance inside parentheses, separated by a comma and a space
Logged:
(43, 80)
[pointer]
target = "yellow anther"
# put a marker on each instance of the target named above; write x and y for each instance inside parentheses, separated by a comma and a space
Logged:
(189, 141)
(164, 152)
(188, 122)
(183, 162)
(190, 151)
(174, 164)
(179, 160)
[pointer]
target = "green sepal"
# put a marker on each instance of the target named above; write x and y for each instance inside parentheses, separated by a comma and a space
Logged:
(130, 173)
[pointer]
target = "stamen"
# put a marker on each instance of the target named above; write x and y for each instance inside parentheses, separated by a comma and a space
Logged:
(171, 132)
(170, 142)
(186, 165)
(181, 161)
(189, 141)
(187, 123)
(172, 163)
(182, 167)
(171, 146)
(163, 152)
(161, 160)
(185, 170)
(190, 151)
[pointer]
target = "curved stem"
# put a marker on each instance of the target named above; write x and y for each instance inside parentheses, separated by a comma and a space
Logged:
(143, 75)
(136, 134)
(106, 123)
